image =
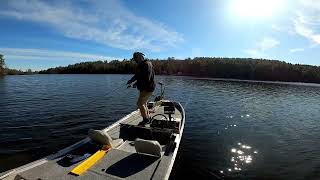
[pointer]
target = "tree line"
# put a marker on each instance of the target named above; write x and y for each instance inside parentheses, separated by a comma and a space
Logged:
(8, 71)
(214, 67)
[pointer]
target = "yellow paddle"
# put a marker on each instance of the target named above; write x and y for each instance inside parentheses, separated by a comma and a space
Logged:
(87, 164)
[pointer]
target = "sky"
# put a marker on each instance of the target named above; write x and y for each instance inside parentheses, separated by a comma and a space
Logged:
(37, 34)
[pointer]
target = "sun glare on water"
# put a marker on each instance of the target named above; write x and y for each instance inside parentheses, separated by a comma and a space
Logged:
(256, 9)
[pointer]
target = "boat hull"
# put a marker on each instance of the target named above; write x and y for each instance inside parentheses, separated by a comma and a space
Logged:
(159, 168)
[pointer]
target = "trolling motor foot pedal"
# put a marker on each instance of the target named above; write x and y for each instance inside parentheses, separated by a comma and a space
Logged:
(168, 109)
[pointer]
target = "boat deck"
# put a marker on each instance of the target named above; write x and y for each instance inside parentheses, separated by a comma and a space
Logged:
(121, 162)
(115, 165)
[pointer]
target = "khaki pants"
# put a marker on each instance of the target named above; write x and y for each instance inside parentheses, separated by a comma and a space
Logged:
(142, 103)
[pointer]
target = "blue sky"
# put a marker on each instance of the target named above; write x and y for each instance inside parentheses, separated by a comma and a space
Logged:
(41, 34)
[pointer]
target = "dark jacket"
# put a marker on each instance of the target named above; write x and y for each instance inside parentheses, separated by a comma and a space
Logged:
(144, 76)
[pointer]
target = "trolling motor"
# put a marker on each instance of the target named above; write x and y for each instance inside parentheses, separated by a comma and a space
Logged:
(162, 87)
(169, 108)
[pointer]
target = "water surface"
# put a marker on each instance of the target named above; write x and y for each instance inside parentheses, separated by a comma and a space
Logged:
(234, 130)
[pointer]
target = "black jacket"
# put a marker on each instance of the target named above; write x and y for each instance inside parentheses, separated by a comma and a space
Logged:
(144, 76)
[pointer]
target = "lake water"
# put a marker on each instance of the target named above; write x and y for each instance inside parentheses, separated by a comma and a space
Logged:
(233, 130)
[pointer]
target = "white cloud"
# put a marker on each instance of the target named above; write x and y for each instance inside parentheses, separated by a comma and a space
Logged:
(268, 43)
(276, 27)
(283, 28)
(296, 50)
(262, 46)
(254, 53)
(312, 4)
(107, 22)
(307, 20)
(41, 54)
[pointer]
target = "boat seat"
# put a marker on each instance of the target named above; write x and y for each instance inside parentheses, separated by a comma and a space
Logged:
(132, 132)
(102, 137)
(147, 147)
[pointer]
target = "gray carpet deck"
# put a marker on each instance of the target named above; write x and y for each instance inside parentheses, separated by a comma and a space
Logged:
(116, 164)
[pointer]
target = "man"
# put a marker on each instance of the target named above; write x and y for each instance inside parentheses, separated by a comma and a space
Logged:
(144, 78)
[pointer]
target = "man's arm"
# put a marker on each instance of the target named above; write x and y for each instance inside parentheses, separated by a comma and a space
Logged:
(132, 79)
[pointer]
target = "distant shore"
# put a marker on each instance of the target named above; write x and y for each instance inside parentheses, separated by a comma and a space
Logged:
(206, 67)
(231, 69)
(255, 81)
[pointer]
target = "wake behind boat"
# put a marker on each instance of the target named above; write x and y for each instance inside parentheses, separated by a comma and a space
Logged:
(124, 150)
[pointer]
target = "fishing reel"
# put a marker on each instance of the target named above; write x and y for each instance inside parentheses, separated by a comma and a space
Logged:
(132, 86)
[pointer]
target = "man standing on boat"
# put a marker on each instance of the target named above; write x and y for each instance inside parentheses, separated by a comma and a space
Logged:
(144, 80)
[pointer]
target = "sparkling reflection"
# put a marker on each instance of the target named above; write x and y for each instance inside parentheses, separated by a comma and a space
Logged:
(241, 156)
(230, 126)
(247, 116)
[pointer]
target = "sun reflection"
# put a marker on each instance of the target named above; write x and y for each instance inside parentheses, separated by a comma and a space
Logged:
(245, 147)
(241, 156)
(247, 116)
(240, 152)
(230, 126)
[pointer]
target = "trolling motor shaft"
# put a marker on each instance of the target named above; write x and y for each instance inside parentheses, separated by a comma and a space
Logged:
(162, 87)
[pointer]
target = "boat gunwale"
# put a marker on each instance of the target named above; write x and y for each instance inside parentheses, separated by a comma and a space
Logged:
(178, 141)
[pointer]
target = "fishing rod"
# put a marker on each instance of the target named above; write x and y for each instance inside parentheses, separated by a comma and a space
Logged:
(106, 94)
(157, 98)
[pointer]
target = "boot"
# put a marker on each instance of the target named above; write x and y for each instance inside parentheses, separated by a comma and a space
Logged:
(144, 122)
